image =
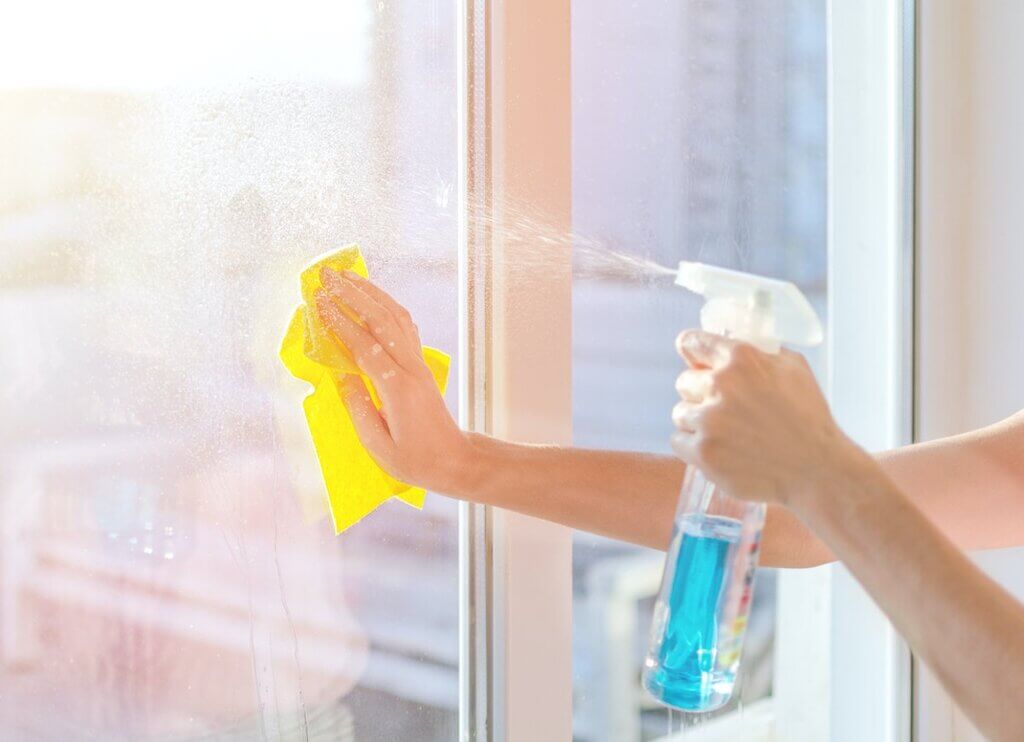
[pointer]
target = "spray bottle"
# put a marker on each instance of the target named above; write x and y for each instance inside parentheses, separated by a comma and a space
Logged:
(702, 608)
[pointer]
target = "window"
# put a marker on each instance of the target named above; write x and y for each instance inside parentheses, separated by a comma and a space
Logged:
(699, 133)
(167, 170)
(164, 180)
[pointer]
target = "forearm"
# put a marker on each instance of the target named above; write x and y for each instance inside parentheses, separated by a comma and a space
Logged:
(632, 496)
(624, 495)
(969, 486)
(961, 623)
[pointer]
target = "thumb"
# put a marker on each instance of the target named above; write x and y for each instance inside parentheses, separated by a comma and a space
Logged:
(703, 349)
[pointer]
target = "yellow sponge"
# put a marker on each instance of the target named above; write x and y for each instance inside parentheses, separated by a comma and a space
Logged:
(355, 484)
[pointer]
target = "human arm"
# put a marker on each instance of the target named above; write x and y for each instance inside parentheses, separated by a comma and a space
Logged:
(760, 428)
(632, 496)
(625, 495)
(956, 619)
(971, 486)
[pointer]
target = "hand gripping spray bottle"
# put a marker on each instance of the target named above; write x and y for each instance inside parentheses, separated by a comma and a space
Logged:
(702, 607)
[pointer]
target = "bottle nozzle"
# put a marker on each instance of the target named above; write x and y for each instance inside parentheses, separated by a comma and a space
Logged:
(763, 311)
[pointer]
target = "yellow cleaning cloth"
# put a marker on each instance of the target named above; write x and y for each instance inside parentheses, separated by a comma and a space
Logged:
(355, 484)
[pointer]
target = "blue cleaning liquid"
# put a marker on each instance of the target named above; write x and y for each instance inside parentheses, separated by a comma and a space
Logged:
(686, 674)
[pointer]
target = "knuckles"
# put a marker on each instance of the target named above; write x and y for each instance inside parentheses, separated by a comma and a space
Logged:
(741, 365)
(702, 450)
(422, 372)
(742, 356)
(713, 420)
(723, 379)
(726, 379)
(710, 419)
(709, 450)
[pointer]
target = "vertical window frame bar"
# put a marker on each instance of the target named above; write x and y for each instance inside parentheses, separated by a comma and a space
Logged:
(871, 319)
(515, 383)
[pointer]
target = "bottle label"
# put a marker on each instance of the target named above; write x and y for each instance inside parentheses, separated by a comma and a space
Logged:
(732, 631)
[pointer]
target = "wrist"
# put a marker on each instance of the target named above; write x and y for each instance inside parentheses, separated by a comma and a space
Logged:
(467, 466)
(841, 473)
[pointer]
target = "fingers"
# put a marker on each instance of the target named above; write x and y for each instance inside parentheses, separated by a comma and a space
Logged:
(684, 443)
(368, 353)
(383, 327)
(688, 417)
(370, 426)
(704, 349)
(695, 385)
(400, 313)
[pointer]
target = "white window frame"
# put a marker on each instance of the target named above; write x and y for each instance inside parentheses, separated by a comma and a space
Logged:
(843, 672)
(516, 351)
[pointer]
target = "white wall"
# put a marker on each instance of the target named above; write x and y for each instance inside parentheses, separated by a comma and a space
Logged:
(971, 250)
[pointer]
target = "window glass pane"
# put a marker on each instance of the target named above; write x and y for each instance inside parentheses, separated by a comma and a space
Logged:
(167, 170)
(698, 134)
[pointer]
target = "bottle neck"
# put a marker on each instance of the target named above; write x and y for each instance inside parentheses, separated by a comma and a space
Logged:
(700, 496)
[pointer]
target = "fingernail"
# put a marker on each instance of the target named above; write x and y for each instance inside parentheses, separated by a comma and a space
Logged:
(351, 275)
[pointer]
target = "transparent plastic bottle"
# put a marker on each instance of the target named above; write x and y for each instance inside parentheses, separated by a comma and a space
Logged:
(700, 617)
